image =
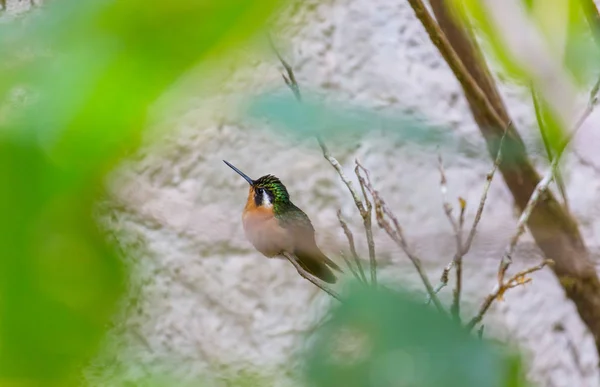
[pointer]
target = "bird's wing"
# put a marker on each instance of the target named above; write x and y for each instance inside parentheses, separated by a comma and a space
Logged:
(300, 226)
(298, 222)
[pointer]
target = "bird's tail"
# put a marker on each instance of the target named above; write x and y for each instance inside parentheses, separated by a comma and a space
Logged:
(317, 264)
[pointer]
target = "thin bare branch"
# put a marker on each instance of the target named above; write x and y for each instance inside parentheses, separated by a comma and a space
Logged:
(394, 231)
(443, 280)
(365, 213)
(350, 238)
(461, 217)
(367, 219)
(446, 204)
(518, 279)
(486, 189)
(457, 260)
(351, 267)
(304, 274)
(457, 229)
(289, 78)
(463, 247)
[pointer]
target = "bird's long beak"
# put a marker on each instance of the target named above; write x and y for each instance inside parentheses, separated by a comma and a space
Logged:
(249, 180)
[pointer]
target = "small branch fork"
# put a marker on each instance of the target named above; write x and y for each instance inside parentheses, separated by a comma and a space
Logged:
(388, 222)
(463, 247)
(518, 279)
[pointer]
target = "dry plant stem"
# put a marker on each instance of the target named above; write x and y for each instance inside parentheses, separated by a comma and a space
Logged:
(443, 280)
(290, 80)
(455, 307)
(457, 228)
(364, 213)
(350, 238)
(367, 216)
(446, 205)
(396, 234)
(463, 248)
(486, 188)
(516, 280)
(351, 267)
(303, 273)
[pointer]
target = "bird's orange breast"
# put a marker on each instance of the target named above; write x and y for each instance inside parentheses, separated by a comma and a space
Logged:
(263, 230)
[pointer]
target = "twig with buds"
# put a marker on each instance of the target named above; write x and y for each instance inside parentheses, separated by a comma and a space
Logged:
(518, 279)
(463, 247)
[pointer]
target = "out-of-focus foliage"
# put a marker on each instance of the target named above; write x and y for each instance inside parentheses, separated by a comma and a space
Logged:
(382, 338)
(562, 24)
(566, 34)
(89, 72)
(330, 120)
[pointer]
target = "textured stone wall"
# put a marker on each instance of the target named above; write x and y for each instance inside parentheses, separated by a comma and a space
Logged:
(202, 298)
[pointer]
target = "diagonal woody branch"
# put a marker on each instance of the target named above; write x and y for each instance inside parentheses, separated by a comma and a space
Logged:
(554, 230)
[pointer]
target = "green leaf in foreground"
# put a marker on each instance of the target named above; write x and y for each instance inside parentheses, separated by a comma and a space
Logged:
(381, 338)
(92, 70)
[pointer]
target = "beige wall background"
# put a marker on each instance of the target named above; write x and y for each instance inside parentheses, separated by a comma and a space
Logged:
(202, 299)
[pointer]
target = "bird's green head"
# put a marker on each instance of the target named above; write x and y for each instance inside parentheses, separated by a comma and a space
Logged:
(272, 187)
(267, 191)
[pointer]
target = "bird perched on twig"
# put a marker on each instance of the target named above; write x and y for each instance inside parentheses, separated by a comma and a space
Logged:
(276, 227)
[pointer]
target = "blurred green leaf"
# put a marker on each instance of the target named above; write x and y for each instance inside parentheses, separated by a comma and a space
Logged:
(330, 119)
(563, 25)
(549, 126)
(473, 12)
(90, 70)
(383, 338)
(334, 120)
(106, 66)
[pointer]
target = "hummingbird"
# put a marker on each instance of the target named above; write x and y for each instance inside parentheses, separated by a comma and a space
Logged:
(275, 226)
